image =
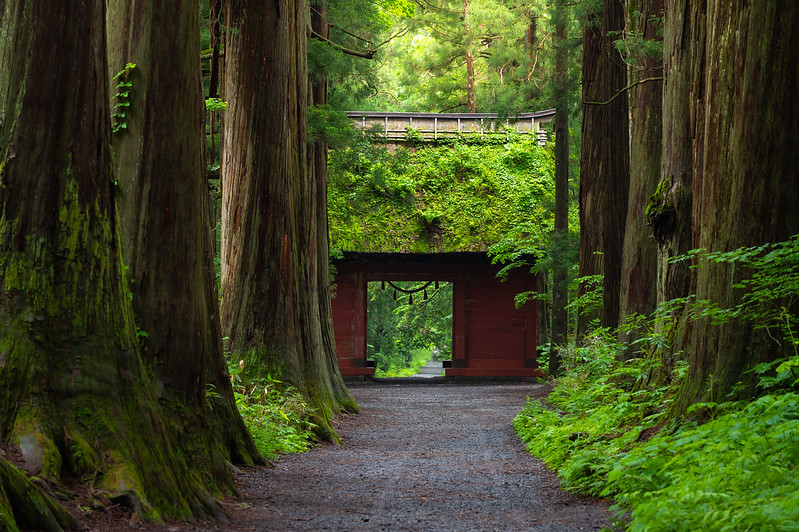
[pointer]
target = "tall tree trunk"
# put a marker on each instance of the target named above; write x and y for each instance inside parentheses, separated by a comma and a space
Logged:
(471, 99)
(74, 394)
(669, 209)
(592, 198)
(560, 271)
(213, 78)
(270, 234)
(744, 178)
(615, 169)
(166, 231)
(317, 164)
(605, 166)
(639, 258)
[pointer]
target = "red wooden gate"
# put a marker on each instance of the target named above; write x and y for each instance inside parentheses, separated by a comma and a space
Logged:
(490, 336)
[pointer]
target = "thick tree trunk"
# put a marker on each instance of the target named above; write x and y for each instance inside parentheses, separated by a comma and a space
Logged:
(74, 394)
(560, 294)
(669, 209)
(744, 176)
(605, 166)
(166, 231)
(638, 294)
(270, 234)
(615, 168)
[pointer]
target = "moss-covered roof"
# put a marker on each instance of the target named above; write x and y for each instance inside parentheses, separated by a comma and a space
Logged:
(437, 198)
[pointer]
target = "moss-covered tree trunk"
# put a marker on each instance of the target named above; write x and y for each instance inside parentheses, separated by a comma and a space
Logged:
(639, 258)
(270, 225)
(25, 506)
(74, 394)
(743, 162)
(166, 231)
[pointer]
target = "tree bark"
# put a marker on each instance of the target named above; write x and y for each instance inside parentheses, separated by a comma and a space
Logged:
(560, 294)
(669, 209)
(592, 198)
(74, 393)
(639, 258)
(317, 164)
(605, 165)
(615, 168)
(744, 180)
(166, 232)
(270, 227)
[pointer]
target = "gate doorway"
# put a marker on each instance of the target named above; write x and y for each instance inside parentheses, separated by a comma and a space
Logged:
(409, 327)
(490, 336)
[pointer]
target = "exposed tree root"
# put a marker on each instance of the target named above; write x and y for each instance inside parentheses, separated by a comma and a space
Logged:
(26, 506)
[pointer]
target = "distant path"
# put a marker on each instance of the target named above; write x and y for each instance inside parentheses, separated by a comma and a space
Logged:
(440, 457)
(431, 369)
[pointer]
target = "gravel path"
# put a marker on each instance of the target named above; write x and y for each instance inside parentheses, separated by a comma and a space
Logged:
(418, 457)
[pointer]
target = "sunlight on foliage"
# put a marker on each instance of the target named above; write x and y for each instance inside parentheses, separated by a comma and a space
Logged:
(601, 407)
(404, 368)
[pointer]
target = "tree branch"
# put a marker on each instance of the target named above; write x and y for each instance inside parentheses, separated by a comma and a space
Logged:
(367, 54)
(628, 87)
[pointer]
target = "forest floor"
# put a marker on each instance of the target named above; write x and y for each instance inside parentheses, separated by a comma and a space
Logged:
(418, 457)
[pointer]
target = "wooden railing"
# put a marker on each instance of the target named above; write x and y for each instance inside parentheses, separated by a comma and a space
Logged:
(398, 127)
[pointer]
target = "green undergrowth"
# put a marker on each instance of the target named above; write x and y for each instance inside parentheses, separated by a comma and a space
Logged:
(596, 412)
(277, 415)
(603, 430)
(727, 465)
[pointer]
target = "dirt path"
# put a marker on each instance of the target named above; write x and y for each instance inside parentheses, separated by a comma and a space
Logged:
(418, 457)
(440, 457)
